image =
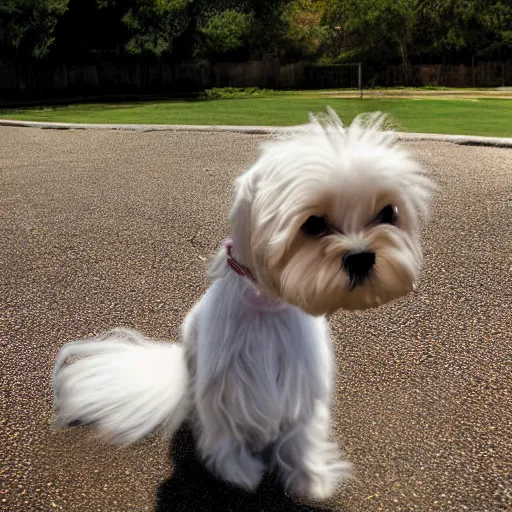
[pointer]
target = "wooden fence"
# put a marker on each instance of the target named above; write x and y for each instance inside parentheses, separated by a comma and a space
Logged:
(44, 80)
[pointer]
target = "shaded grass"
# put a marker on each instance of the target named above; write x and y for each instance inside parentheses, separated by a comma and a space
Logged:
(491, 117)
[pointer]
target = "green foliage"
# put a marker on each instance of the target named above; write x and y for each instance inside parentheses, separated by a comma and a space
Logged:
(304, 33)
(154, 24)
(223, 93)
(229, 93)
(246, 28)
(379, 31)
(328, 31)
(372, 28)
(475, 27)
(268, 28)
(27, 26)
(498, 23)
(226, 31)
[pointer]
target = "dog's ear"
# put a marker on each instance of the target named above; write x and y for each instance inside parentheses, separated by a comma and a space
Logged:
(240, 222)
(240, 216)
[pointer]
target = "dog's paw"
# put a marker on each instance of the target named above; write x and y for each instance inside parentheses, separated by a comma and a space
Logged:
(249, 475)
(318, 483)
(234, 464)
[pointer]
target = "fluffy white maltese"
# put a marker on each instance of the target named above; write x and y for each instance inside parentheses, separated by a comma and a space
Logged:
(326, 219)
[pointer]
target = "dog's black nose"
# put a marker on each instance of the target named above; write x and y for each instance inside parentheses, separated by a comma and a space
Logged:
(358, 264)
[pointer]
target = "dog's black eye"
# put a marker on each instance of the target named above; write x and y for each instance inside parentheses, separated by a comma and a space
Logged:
(387, 215)
(315, 226)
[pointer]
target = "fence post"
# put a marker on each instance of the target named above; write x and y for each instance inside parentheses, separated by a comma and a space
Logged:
(360, 79)
(473, 70)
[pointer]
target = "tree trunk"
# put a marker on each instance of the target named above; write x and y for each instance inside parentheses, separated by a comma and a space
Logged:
(473, 69)
(405, 60)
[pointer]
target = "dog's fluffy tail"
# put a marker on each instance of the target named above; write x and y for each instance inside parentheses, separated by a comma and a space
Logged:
(124, 383)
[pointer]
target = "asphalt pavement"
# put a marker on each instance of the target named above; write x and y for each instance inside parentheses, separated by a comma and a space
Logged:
(104, 228)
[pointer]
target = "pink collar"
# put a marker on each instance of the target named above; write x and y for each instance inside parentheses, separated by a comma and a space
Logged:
(237, 267)
(251, 296)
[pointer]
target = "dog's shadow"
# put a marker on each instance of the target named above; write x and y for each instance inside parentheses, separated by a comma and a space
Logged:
(192, 487)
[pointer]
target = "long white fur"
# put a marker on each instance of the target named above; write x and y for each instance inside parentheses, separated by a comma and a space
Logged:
(123, 382)
(251, 378)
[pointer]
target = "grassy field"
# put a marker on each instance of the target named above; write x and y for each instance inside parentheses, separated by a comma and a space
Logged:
(464, 116)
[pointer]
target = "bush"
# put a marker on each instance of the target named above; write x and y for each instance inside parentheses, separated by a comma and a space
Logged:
(224, 93)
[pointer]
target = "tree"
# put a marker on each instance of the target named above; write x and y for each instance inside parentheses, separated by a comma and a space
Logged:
(304, 32)
(225, 32)
(149, 27)
(154, 24)
(373, 30)
(254, 28)
(27, 26)
(91, 27)
(461, 29)
(451, 27)
(268, 28)
(497, 22)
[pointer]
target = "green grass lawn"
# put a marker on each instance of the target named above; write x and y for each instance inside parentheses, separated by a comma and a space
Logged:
(491, 117)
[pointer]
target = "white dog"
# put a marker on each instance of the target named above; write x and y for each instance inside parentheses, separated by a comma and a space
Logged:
(324, 220)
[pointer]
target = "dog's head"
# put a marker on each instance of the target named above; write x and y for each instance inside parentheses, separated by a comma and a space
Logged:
(329, 219)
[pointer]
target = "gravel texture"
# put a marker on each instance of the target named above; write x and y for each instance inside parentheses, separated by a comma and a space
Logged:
(104, 228)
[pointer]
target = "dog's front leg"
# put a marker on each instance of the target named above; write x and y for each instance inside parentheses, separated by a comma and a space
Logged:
(309, 463)
(224, 452)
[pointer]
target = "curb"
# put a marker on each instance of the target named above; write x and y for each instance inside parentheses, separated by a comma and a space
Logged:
(466, 140)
